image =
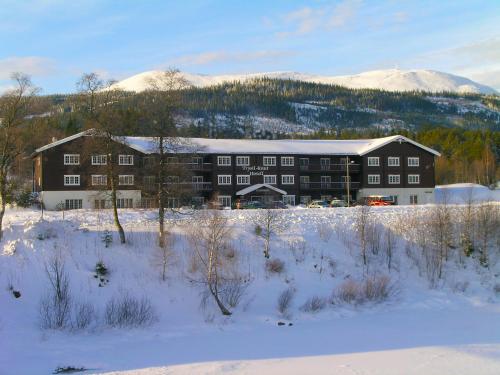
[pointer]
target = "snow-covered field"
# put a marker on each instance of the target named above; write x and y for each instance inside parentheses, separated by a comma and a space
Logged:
(449, 328)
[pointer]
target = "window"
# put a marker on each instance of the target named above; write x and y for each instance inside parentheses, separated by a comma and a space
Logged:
(198, 201)
(149, 182)
(269, 161)
(172, 179)
(326, 182)
(99, 179)
(71, 180)
(288, 179)
(99, 204)
(289, 199)
(126, 159)
(99, 160)
(305, 199)
(197, 160)
(71, 159)
(373, 179)
(270, 179)
(242, 161)
(224, 179)
(287, 161)
(173, 202)
(413, 161)
(304, 164)
(394, 179)
(197, 179)
(125, 179)
(224, 160)
(304, 182)
(325, 164)
(413, 199)
(73, 204)
(413, 178)
(373, 161)
(393, 161)
(326, 198)
(225, 200)
(172, 160)
(243, 179)
(125, 203)
(149, 161)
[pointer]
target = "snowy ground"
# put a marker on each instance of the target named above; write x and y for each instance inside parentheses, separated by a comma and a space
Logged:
(450, 329)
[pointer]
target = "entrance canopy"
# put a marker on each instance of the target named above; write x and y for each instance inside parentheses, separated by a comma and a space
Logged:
(261, 188)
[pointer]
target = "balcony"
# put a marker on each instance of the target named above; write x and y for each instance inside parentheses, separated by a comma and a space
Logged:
(328, 185)
(353, 168)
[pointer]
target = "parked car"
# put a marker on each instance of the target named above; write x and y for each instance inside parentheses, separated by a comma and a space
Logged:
(337, 203)
(279, 204)
(318, 204)
(378, 200)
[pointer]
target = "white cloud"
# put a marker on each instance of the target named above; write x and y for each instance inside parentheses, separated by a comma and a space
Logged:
(31, 65)
(343, 13)
(225, 56)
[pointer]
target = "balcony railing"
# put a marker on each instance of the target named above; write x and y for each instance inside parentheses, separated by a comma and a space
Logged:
(194, 186)
(353, 167)
(328, 185)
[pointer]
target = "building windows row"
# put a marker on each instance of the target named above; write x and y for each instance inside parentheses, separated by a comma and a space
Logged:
(393, 161)
(225, 179)
(97, 180)
(244, 161)
(74, 159)
(393, 179)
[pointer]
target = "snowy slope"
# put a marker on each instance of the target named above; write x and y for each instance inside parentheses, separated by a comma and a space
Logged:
(390, 79)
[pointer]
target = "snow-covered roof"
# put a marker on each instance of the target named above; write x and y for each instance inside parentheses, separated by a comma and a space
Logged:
(249, 189)
(287, 146)
(147, 145)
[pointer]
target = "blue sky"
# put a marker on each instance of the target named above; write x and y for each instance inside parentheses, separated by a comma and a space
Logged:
(55, 41)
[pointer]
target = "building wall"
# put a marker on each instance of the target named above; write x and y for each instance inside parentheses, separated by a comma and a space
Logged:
(424, 195)
(54, 200)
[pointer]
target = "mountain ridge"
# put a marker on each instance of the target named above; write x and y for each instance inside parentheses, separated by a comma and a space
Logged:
(388, 79)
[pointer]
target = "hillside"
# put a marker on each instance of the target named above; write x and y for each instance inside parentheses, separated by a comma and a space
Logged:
(414, 317)
(389, 80)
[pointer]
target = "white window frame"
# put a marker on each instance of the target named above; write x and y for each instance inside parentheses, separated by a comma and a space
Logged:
(99, 180)
(289, 200)
(73, 204)
(373, 161)
(305, 199)
(415, 161)
(243, 179)
(393, 161)
(269, 176)
(373, 179)
(394, 179)
(413, 198)
(71, 180)
(124, 203)
(125, 179)
(224, 179)
(287, 179)
(287, 161)
(269, 161)
(99, 160)
(71, 159)
(224, 161)
(125, 159)
(413, 179)
(242, 161)
(222, 199)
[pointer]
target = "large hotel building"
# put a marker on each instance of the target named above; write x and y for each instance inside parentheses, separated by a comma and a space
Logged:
(69, 174)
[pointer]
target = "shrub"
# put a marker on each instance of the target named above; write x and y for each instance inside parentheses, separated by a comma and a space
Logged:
(285, 300)
(347, 292)
(496, 288)
(101, 269)
(376, 288)
(25, 199)
(275, 265)
(233, 291)
(107, 238)
(127, 311)
(84, 315)
(313, 304)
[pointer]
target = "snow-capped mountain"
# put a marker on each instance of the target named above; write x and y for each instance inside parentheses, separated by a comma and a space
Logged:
(390, 79)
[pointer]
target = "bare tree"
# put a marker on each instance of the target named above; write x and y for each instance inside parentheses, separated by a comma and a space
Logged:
(389, 245)
(161, 101)
(208, 241)
(488, 222)
(104, 108)
(163, 256)
(55, 307)
(14, 107)
(362, 224)
(467, 223)
(269, 223)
